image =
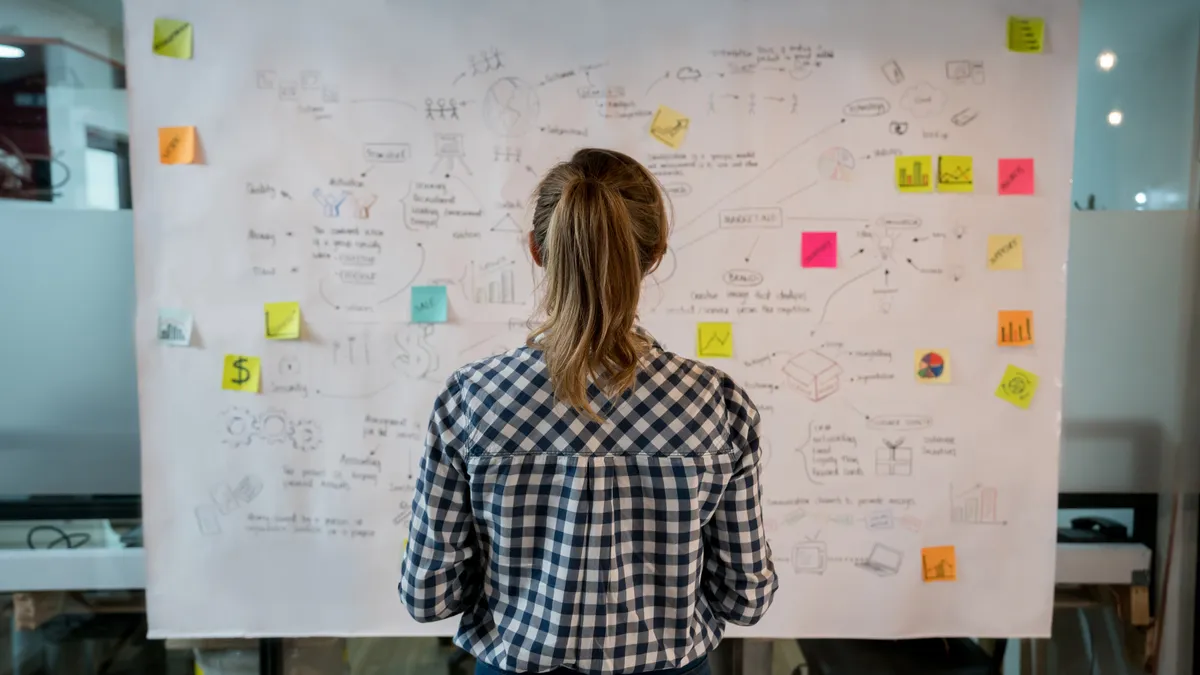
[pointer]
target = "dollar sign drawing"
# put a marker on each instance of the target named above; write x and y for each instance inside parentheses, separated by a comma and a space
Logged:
(243, 375)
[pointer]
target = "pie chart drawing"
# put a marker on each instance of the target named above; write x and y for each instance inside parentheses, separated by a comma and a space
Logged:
(931, 366)
(836, 164)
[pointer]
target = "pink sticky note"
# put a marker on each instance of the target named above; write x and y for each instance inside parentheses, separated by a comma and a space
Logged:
(818, 249)
(1016, 176)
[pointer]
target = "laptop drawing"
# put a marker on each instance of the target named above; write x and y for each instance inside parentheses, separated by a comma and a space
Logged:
(884, 561)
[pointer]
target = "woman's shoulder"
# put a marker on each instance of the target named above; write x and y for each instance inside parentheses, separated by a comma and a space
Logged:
(518, 364)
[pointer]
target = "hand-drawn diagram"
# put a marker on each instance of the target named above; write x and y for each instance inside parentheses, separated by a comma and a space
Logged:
(977, 505)
(836, 164)
(894, 459)
(493, 282)
(331, 202)
(273, 427)
(883, 561)
(963, 71)
(810, 557)
(815, 375)
(417, 359)
(893, 72)
(450, 155)
(510, 107)
(923, 100)
(363, 204)
(441, 109)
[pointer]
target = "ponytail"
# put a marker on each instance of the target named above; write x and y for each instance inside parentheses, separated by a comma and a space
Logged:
(602, 228)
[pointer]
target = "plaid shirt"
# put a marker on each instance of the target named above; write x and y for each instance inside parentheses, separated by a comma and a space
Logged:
(611, 547)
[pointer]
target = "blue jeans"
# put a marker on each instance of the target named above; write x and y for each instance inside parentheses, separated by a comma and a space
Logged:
(697, 667)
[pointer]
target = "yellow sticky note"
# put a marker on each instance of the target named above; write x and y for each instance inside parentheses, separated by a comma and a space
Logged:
(669, 127)
(955, 174)
(913, 173)
(1026, 34)
(1005, 252)
(1017, 386)
(177, 145)
(1014, 328)
(173, 38)
(932, 366)
(714, 340)
(938, 564)
(282, 320)
(241, 373)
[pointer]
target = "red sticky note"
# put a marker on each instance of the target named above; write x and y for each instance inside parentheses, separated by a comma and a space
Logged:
(1016, 176)
(818, 249)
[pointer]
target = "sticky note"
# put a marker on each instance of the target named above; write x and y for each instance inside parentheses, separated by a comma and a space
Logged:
(429, 304)
(669, 127)
(913, 173)
(1015, 176)
(938, 564)
(1026, 34)
(282, 320)
(714, 340)
(818, 249)
(1005, 252)
(1017, 386)
(177, 145)
(932, 366)
(175, 327)
(1014, 328)
(241, 373)
(173, 38)
(955, 174)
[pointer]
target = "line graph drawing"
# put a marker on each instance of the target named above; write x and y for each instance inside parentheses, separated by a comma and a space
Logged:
(714, 340)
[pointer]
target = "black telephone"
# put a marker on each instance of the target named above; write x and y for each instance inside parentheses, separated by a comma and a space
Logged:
(1093, 529)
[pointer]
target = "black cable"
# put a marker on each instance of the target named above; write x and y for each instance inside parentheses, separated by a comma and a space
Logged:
(73, 540)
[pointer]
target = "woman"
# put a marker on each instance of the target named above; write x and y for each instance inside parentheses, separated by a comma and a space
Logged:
(590, 502)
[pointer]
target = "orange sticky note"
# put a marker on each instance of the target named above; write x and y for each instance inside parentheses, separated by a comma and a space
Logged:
(177, 145)
(1014, 328)
(938, 564)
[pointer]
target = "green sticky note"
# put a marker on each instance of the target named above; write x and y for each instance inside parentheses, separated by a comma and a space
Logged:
(1017, 386)
(429, 304)
(173, 38)
(1026, 34)
(282, 320)
(714, 340)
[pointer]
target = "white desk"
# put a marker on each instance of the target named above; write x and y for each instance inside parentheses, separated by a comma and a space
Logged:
(125, 569)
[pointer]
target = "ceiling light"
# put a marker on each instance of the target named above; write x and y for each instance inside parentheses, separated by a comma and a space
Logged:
(1115, 118)
(1106, 60)
(11, 52)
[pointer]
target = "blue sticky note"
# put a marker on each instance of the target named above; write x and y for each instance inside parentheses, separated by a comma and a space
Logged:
(429, 304)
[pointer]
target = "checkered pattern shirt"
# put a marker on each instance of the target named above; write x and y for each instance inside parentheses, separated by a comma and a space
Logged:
(613, 547)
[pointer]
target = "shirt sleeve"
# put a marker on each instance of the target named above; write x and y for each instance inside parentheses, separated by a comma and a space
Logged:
(739, 579)
(440, 575)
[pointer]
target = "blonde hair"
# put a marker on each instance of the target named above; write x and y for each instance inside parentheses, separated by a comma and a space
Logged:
(600, 226)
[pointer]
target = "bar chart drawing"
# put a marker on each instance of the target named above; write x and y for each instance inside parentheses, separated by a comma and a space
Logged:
(1015, 328)
(978, 505)
(916, 178)
(494, 283)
